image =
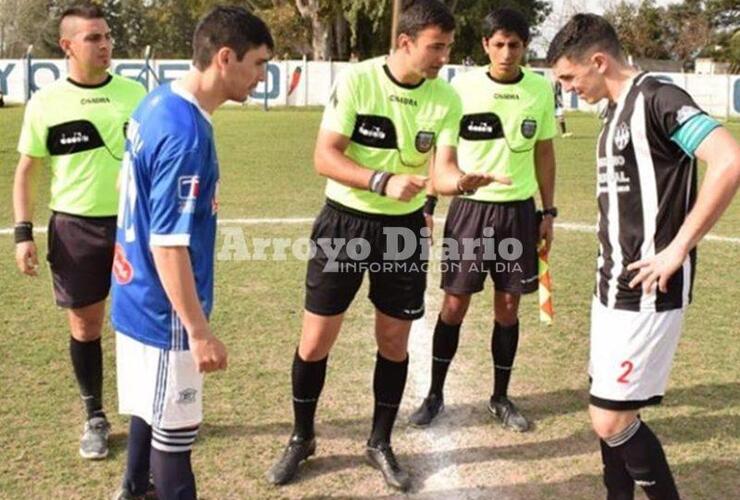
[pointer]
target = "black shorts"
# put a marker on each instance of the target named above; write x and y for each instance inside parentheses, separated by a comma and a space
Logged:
(80, 256)
(335, 273)
(496, 239)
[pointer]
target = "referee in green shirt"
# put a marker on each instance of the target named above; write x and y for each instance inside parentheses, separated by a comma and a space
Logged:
(506, 129)
(79, 125)
(383, 119)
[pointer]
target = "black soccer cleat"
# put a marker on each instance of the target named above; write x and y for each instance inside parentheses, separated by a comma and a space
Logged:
(124, 493)
(429, 409)
(509, 415)
(382, 458)
(285, 469)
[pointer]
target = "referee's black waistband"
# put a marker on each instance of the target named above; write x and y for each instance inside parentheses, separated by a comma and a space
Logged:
(511, 203)
(370, 216)
(101, 218)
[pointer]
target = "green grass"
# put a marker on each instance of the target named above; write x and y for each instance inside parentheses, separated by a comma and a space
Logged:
(258, 310)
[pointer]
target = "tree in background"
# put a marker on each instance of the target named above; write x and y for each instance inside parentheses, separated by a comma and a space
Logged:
(679, 31)
(688, 29)
(470, 14)
(724, 16)
(641, 30)
(334, 29)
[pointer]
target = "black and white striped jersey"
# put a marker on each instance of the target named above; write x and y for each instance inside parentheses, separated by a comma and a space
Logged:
(645, 188)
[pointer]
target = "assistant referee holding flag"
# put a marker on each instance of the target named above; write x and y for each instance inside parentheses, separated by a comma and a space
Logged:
(506, 129)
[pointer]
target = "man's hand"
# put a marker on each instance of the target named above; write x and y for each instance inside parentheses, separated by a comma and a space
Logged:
(471, 182)
(404, 187)
(26, 257)
(547, 231)
(657, 270)
(208, 352)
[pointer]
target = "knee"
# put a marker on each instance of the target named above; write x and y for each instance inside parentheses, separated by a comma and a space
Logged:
(507, 312)
(312, 351)
(506, 320)
(608, 426)
(454, 309)
(87, 330)
(394, 349)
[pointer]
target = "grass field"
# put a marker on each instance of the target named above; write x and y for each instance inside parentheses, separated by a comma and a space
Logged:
(266, 172)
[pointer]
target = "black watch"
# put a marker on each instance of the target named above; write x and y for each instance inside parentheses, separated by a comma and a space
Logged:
(553, 211)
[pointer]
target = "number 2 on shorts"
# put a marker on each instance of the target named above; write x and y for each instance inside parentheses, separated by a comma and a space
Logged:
(627, 365)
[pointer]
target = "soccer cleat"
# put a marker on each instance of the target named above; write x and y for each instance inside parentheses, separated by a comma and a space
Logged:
(94, 441)
(567, 134)
(429, 409)
(123, 493)
(508, 414)
(285, 469)
(382, 458)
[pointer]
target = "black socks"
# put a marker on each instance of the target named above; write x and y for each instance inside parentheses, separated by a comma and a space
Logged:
(136, 479)
(87, 361)
(445, 341)
(504, 342)
(388, 384)
(637, 452)
(173, 475)
(308, 381)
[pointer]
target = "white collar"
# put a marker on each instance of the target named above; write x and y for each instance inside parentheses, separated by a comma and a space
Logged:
(178, 89)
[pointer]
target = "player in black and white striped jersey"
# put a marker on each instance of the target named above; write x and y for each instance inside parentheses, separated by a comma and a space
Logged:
(650, 221)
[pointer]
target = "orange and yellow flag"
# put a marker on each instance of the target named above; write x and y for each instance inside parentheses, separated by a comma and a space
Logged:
(545, 289)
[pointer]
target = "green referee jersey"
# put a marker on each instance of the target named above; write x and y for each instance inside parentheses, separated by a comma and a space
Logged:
(82, 130)
(393, 127)
(500, 126)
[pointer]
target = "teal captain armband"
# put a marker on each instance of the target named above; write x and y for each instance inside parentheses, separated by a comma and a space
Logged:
(692, 133)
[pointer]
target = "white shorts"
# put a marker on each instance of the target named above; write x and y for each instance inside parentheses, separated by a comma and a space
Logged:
(631, 355)
(161, 386)
(559, 112)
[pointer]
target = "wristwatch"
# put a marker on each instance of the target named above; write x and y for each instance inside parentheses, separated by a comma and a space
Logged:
(552, 211)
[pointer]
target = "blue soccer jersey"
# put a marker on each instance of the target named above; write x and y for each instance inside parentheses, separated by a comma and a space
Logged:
(169, 185)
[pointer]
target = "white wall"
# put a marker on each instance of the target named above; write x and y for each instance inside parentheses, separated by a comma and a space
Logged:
(311, 82)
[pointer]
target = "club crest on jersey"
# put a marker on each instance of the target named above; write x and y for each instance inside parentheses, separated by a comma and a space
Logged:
(188, 187)
(424, 141)
(529, 128)
(622, 136)
(123, 271)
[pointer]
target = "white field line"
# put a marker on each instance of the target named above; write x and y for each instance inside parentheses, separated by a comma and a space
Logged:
(433, 438)
(568, 226)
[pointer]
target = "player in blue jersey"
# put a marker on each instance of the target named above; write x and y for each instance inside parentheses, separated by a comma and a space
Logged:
(163, 265)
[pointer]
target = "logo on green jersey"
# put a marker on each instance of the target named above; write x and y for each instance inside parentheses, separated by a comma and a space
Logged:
(95, 100)
(404, 100)
(424, 141)
(529, 128)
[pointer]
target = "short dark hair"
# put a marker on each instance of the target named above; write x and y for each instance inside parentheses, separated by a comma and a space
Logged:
(510, 20)
(84, 10)
(582, 34)
(417, 15)
(232, 27)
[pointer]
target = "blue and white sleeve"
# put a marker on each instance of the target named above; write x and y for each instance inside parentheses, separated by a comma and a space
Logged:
(173, 197)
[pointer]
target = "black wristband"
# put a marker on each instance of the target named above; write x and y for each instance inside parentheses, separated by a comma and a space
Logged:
(378, 182)
(429, 205)
(373, 184)
(23, 231)
(384, 183)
